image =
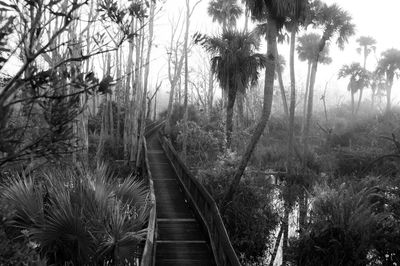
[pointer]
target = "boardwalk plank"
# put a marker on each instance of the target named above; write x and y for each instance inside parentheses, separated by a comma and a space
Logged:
(181, 239)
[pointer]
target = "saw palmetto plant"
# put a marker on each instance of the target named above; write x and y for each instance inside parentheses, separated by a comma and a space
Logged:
(78, 216)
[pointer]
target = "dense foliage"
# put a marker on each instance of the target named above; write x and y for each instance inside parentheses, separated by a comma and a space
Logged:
(73, 216)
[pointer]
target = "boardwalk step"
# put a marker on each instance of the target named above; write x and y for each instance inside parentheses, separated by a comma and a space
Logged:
(183, 254)
(180, 238)
(183, 230)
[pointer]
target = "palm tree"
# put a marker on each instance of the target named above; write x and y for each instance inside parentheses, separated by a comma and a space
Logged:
(276, 13)
(307, 50)
(335, 22)
(389, 65)
(225, 12)
(359, 79)
(236, 65)
(367, 45)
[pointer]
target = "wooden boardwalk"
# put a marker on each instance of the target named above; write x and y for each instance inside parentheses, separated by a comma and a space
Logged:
(180, 238)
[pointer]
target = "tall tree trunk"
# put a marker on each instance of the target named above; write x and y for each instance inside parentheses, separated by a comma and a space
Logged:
(185, 101)
(389, 84)
(173, 80)
(313, 76)
(309, 112)
(136, 88)
(267, 105)
(303, 124)
(352, 102)
(229, 117)
(281, 86)
(118, 97)
(146, 78)
(359, 100)
(129, 68)
(240, 109)
(290, 154)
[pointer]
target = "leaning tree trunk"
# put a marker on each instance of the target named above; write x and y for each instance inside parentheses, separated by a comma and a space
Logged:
(276, 247)
(267, 105)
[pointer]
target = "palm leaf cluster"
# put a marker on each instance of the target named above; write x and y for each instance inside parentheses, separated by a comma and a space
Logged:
(79, 217)
(225, 12)
(235, 61)
(282, 11)
(359, 77)
(334, 21)
(308, 49)
(389, 63)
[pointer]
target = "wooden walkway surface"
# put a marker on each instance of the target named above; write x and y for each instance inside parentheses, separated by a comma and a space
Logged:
(180, 239)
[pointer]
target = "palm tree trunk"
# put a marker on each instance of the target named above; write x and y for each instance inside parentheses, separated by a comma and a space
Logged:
(290, 154)
(359, 99)
(267, 105)
(229, 117)
(309, 111)
(352, 103)
(240, 109)
(303, 124)
(389, 84)
(292, 104)
(282, 87)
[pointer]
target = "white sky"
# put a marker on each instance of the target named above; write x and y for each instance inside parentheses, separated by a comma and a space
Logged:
(378, 19)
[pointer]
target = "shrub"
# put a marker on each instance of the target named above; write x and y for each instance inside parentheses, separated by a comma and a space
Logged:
(350, 225)
(250, 218)
(77, 216)
(202, 146)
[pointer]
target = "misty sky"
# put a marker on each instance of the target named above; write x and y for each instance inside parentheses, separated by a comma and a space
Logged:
(378, 19)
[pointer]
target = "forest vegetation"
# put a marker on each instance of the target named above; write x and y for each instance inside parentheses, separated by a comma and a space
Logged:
(294, 184)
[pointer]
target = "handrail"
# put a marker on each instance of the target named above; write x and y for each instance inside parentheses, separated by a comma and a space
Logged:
(148, 256)
(149, 247)
(205, 207)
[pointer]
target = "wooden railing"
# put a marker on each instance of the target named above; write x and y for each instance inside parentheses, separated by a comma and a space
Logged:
(148, 256)
(205, 208)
